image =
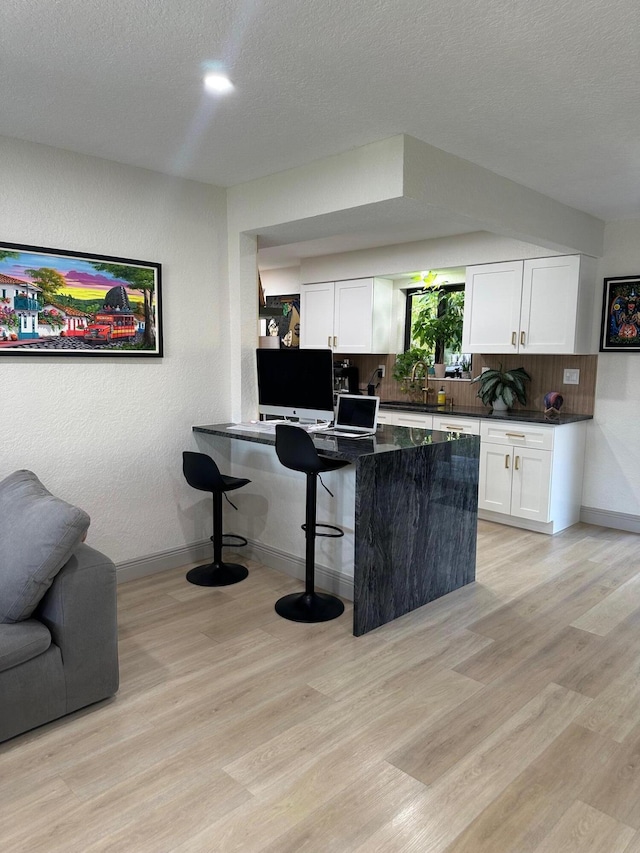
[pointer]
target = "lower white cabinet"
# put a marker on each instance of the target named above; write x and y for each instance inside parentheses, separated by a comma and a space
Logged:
(515, 481)
(404, 418)
(531, 475)
(452, 423)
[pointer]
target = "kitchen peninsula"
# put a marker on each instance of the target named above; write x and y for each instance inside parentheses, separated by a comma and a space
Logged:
(407, 503)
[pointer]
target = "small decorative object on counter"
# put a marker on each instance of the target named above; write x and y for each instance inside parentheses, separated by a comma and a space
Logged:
(442, 397)
(553, 403)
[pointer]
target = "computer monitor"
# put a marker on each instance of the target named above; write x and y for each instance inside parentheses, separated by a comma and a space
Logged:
(295, 383)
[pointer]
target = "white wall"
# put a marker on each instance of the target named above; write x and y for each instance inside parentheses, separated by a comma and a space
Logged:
(280, 281)
(476, 248)
(107, 434)
(612, 468)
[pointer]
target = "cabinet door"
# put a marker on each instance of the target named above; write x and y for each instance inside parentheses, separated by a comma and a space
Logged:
(549, 305)
(494, 485)
(353, 315)
(316, 315)
(492, 299)
(531, 490)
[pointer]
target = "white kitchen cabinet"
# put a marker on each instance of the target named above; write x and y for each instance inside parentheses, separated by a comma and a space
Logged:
(351, 316)
(537, 306)
(452, 423)
(515, 481)
(405, 418)
(531, 475)
(316, 315)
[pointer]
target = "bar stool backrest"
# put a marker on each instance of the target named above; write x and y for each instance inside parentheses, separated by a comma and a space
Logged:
(296, 450)
(201, 472)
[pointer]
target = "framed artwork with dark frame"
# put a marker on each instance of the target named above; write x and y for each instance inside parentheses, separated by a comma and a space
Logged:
(282, 315)
(57, 302)
(620, 331)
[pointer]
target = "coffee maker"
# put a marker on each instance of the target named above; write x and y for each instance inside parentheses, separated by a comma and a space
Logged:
(345, 378)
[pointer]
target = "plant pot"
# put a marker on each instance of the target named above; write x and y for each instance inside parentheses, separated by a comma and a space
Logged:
(439, 370)
(499, 406)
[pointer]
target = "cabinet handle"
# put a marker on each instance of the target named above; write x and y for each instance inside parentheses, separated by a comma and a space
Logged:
(506, 460)
(454, 428)
(335, 340)
(515, 434)
(521, 339)
(513, 339)
(329, 341)
(517, 463)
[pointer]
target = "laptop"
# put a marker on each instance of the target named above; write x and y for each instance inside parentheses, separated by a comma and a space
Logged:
(355, 416)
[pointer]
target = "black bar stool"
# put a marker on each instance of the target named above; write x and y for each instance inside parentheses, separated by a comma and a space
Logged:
(202, 473)
(296, 450)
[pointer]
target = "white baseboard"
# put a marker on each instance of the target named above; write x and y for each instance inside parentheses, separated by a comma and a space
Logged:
(326, 578)
(607, 518)
(513, 521)
(153, 564)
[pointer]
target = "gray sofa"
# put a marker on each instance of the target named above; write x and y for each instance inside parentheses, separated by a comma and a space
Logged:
(58, 632)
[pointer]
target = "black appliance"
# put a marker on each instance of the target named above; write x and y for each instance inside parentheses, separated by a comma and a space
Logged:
(345, 378)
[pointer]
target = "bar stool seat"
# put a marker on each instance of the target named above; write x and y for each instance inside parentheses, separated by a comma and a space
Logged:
(202, 473)
(295, 450)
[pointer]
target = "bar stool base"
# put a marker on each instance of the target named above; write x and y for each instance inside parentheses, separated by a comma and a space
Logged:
(217, 574)
(309, 607)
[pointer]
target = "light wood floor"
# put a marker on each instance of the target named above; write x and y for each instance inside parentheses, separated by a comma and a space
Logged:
(503, 717)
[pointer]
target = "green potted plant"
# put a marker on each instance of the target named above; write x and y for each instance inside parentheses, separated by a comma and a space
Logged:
(410, 371)
(501, 388)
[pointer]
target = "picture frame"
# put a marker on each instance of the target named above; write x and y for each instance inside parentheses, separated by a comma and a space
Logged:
(282, 316)
(620, 329)
(64, 303)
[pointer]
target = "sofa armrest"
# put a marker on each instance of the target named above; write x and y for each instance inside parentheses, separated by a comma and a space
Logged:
(80, 611)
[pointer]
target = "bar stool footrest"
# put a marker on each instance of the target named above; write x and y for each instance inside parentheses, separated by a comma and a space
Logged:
(336, 535)
(240, 541)
(239, 544)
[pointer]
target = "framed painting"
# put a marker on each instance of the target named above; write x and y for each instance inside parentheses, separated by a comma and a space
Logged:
(620, 330)
(282, 315)
(56, 302)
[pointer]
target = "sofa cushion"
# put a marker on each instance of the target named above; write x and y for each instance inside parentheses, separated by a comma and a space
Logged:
(38, 534)
(20, 643)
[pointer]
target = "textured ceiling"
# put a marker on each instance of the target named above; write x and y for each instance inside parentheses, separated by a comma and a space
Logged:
(545, 93)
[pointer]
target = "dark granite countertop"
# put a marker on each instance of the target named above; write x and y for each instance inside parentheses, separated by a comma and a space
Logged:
(522, 415)
(388, 439)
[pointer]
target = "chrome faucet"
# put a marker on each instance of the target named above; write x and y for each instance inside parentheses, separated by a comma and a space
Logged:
(426, 390)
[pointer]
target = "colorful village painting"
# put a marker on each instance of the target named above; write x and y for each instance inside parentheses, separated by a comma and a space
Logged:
(57, 302)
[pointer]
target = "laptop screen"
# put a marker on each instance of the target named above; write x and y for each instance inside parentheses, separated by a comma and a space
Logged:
(357, 412)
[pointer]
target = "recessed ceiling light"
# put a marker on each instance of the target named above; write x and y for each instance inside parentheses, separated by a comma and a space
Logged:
(218, 84)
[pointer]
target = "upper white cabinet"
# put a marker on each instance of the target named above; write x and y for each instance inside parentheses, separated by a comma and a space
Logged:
(351, 316)
(316, 315)
(539, 306)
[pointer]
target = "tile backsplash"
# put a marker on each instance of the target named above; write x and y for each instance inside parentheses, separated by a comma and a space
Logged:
(546, 373)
